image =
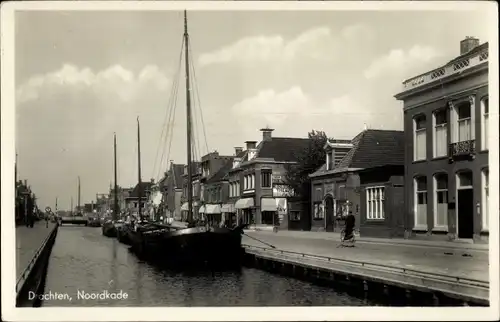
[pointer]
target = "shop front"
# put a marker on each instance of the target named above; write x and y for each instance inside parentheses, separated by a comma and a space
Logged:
(273, 210)
(229, 214)
(246, 207)
(213, 214)
(185, 209)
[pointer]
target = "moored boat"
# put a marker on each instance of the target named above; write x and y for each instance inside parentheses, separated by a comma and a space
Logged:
(194, 245)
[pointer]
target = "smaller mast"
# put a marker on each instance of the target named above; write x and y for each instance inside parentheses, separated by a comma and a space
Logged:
(115, 208)
(139, 166)
(78, 205)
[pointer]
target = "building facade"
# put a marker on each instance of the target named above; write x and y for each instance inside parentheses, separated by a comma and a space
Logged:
(446, 156)
(196, 191)
(140, 193)
(171, 187)
(257, 180)
(344, 185)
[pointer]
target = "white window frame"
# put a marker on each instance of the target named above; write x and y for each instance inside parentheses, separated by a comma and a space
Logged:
(435, 128)
(419, 131)
(435, 192)
(417, 225)
(485, 173)
(454, 120)
(484, 124)
(375, 203)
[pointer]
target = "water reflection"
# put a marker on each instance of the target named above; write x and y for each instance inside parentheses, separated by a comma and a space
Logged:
(83, 259)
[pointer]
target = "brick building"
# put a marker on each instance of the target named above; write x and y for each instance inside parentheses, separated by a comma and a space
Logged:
(257, 179)
(446, 156)
(357, 182)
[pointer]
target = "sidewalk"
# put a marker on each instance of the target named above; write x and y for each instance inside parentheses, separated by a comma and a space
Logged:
(334, 236)
(440, 260)
(28, 241)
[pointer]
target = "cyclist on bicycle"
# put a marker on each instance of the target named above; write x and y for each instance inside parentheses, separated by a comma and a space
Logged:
(349, 227)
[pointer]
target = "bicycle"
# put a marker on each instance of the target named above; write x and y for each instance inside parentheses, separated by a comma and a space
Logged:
(349, 242)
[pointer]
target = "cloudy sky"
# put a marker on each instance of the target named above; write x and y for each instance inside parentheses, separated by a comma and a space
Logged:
(80, 76)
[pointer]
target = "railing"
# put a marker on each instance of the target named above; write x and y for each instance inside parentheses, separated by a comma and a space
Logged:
(462, 149)
(454, 67)
(20, 281)
(386, 268)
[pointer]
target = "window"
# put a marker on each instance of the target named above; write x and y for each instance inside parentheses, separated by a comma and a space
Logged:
(440, 134)
(484, 128)
(245, 182)
(319, 212)
(330, 160)
(375, 203)
(465, 179)
(464, 122)
(231, 189)
(266, 179)
(420, 202)
(441, 201)
(420, 138)
(485, 198)
(237, 188)
(295, 215)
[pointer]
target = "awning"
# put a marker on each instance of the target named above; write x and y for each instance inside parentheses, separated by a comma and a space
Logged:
(228, 208)
(274, 204)
(244, 203)
(212, 209)
(268, 204)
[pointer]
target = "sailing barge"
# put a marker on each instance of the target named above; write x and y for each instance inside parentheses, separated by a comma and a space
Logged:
(195, 245)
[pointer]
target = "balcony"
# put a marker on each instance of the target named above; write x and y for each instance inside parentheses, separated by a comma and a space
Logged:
(454, 67)
(462, 150)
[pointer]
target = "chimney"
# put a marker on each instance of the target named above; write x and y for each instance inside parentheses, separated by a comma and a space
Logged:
(238, 150)
(251, 144)
(267, 134)
(468, 44)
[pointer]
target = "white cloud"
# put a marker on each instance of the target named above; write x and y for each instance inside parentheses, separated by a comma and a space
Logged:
(318, 43)
(399, 59)
(113, 80)
(292, 111)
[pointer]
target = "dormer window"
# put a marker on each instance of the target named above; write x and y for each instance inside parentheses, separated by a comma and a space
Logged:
(330, 159)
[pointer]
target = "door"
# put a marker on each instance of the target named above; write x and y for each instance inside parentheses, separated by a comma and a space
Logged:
(329, 214)
(465, 213)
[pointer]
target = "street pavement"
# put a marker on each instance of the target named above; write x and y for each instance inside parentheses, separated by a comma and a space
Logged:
(28, 241)
(469, 263)
(414, 242)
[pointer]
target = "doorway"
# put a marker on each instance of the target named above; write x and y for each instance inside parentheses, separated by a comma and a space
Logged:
(465, 205)
(465, 209)
(329, 214)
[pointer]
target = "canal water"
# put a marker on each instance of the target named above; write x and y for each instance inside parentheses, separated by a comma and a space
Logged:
(86, 266)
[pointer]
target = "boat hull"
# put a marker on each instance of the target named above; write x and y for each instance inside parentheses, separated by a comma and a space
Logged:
(109, 230)
(190, 247)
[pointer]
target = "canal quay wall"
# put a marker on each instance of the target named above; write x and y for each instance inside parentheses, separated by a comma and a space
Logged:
(349, 269)
(34, 246)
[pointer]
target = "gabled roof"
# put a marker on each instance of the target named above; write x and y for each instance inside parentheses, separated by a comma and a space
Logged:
(144, 185)
(221, 174)
(282, 149)
(371, 148)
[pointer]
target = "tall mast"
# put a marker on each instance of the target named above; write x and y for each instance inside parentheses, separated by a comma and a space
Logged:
(115, 208)
(55, 211)
(139, 165)
(188, 116)
(72, 205)
(78, 205)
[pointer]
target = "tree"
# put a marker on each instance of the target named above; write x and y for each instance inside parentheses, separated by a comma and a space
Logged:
(309, 160)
